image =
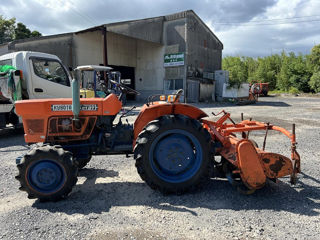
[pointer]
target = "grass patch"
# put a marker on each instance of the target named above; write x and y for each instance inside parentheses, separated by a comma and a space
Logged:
(292, 90)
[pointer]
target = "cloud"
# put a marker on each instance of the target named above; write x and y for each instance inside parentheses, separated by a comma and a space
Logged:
(293, 32)
(245, 30)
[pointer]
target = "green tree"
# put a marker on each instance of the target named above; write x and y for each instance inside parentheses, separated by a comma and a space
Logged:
(7, 27)
(313, 65)
(315, 82)
(238, 73)
(286, 72)
(283, 82)
(21, 31)
(315, 58)
(251, 66)
(299, 75)
(9, 30)
(268, 69)
(36, 34)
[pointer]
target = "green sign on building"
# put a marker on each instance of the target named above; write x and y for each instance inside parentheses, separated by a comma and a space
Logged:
(174, 59)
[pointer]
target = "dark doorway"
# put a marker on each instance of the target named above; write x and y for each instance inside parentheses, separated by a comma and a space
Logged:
(126, 73)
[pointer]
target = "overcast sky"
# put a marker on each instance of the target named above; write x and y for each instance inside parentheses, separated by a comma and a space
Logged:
(246, 27)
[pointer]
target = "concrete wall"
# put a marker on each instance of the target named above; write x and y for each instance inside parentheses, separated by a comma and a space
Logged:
(204, 55)
(122, 50)
(149, 72)
(206, 92)
(144, 29)
(146, 57)
(174, 40)
(235, 92)
(88, 48)
(4, 49)
(204, 51)
(60, 45)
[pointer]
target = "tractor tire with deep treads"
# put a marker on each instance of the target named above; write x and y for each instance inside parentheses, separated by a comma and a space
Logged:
(47, 173)
(174, 154)
(81, 163)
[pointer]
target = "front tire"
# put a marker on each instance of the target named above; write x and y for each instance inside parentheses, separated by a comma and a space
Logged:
(82, 162)
(47, 173)
(173, 154)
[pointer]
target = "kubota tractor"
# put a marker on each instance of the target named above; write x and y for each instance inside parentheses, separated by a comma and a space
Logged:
(173, 145)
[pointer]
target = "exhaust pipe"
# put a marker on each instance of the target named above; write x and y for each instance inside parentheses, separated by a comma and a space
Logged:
(75, 98)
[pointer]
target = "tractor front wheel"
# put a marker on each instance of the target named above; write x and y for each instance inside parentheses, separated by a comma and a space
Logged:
(47, 173)
(82, 162)
(173, 154)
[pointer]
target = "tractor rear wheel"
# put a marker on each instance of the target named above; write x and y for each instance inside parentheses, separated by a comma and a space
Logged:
(47, 173)
(173, 154)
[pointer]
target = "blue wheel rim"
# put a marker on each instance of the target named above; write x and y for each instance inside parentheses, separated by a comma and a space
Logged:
(175, 156)
(46, 176)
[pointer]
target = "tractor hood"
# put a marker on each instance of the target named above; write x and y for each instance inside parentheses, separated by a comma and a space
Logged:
(43, 108)
(37, 113)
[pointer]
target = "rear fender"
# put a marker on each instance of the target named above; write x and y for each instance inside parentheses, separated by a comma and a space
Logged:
(156, 110)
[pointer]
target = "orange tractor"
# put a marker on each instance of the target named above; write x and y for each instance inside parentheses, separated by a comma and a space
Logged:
(173, 145)
(260, 89)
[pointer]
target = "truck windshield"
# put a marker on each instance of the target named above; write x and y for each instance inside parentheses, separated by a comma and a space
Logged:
(50, 70)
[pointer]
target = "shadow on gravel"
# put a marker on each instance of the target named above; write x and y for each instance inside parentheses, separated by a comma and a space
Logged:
(12, 137)
(91, 174)
(229, 104)
(272, 104)
(91, 197)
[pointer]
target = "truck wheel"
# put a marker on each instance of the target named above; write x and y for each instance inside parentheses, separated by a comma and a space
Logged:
(47, 173)
(81, 163)
(173, 154)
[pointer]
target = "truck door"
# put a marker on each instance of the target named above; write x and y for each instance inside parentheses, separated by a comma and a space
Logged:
(49, 79)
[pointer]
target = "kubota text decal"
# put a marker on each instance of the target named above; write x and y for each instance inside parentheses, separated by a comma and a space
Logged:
(68, 107)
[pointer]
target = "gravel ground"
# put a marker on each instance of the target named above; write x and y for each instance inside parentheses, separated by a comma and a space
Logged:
(110, 201)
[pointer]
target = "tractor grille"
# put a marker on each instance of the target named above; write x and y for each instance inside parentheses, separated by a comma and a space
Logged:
(63, 128)
(61, 125)
(90, 126)
(35, 126)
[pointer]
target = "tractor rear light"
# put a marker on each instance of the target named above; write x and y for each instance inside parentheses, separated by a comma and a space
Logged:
(171, 98)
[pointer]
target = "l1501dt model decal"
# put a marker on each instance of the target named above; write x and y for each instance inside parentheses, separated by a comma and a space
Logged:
(68, 107)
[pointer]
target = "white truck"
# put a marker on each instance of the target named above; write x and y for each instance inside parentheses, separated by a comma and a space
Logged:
(43, 76)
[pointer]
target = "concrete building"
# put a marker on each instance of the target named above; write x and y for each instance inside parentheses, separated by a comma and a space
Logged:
(160, 54)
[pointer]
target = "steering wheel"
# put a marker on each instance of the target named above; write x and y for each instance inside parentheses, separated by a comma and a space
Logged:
(178, 95)
(122, 87)
(55, 78)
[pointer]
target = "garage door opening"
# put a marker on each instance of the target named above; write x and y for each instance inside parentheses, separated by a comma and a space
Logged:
(126, 73)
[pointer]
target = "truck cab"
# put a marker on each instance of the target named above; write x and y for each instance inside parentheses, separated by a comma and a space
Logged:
(44, 75)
